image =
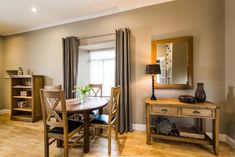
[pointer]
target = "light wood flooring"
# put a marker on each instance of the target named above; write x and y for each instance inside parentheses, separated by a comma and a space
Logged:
(21, 139)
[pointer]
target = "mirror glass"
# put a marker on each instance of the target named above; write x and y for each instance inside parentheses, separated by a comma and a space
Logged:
(174, 57)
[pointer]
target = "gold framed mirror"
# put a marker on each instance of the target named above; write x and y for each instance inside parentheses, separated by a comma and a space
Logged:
(175, 57)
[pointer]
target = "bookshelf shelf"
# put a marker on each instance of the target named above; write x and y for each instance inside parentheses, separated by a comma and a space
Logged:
(26, 109)
(22, 87)
(22, 97)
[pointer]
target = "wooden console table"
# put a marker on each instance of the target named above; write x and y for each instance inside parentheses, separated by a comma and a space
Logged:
(172, 107)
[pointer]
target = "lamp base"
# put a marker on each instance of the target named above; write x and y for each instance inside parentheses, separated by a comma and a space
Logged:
(153, 97)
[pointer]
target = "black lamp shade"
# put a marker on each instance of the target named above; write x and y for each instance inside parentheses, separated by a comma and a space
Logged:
(153, 69)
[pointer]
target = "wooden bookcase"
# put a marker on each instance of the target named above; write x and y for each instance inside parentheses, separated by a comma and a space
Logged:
(25, 98)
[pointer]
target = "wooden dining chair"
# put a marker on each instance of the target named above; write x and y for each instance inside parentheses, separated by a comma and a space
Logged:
(56, 124)
(96, 90)
(58, 88)
(110, 121)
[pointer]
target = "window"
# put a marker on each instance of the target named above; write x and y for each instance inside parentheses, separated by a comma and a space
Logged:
(102, 69)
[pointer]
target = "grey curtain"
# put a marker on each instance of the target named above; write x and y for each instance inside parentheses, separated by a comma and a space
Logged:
(123, 78)
(70, 64)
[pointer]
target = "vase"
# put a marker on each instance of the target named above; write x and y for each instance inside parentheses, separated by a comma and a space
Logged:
(20, 71)
(82, 97)
(200, 94)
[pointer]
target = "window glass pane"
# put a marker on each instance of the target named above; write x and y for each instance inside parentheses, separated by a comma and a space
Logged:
(96, 72)
(102, 64)
(102, 54)
(109, 74)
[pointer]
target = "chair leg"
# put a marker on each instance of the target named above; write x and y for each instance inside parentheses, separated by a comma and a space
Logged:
(46, 145)
(116, 132)
(66, 148)
(109, 141)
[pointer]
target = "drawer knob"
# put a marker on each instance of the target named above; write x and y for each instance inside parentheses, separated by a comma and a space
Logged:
(196, 112)
(164, 110)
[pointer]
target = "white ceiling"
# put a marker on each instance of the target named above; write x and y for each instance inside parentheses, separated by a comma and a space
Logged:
(16, 15)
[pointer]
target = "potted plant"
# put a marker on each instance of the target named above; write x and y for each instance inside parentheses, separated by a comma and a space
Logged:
(82, 92)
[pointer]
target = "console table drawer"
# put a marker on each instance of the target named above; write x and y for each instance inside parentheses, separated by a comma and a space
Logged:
(197, 112)
(164, 110)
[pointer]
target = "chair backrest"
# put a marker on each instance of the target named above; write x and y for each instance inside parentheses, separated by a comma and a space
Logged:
(53, 87)
(114, 104)
(50, 101)
(96, 90)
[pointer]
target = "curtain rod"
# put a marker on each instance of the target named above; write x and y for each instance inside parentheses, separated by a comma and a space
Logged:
(96, 36)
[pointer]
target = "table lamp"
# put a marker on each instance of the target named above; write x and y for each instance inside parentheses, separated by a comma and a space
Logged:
(153, 69)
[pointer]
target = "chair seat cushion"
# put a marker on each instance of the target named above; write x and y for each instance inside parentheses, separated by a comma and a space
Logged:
(101, 119)
(72, 125)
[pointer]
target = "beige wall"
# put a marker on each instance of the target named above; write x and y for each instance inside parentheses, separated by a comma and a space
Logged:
(41, 50)
(1, 72)
(230, 65)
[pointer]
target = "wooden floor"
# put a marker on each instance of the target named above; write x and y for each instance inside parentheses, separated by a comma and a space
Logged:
(20, 139)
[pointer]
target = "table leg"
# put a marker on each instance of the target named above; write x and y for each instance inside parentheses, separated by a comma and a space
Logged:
(216, 132)
(148, 124)
(86, 133)
(101, 111)
(59, 143)
(99, 131)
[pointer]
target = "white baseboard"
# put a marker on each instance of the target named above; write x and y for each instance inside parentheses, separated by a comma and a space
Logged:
(4, 111)
(222, 137)
(139, 127)
(230, 142)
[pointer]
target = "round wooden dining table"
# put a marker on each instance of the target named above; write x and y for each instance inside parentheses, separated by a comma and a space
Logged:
(85, 108)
